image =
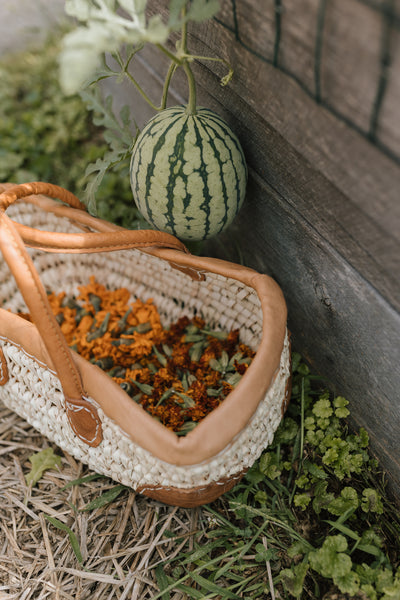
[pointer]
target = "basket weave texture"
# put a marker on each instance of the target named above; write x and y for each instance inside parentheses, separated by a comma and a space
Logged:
(33, 388)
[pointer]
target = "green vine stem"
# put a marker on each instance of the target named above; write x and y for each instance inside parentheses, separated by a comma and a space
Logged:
(191, 106)
(172, 68)
(183, 55)
(182, 58)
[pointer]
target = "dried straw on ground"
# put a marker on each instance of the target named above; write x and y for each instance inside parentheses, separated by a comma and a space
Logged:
(121, 543)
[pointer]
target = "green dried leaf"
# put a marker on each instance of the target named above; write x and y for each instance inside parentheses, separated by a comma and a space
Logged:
(188, 402)
(141, 328)
(219, 335)
(224, 360)
(167, 394)
(215, 364)
(193, 337)
(213, 393)
(233, 379)
(196, 351)
(41, 462)
(186, 428)
(167, 350)
(145, 388)
(160, 357)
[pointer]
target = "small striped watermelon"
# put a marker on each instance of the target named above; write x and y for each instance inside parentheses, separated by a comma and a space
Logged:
(188, 173)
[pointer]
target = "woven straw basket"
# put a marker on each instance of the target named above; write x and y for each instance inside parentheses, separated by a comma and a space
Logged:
(79, 407)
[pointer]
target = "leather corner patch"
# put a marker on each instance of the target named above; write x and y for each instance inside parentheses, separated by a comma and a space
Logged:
(84, 421)
(3, 368)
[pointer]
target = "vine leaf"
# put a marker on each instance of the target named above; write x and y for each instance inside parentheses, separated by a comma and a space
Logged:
(119, 133)
(105, 29)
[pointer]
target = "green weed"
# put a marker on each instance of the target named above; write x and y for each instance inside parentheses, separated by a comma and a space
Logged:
(309, 520)
(47, 136)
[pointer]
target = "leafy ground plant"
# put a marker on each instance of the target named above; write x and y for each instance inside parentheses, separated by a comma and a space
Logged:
(46, 136)
(310, 519)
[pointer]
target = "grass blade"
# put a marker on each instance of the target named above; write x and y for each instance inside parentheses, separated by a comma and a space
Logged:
(72, 536)
(105, 498)
(210, 586)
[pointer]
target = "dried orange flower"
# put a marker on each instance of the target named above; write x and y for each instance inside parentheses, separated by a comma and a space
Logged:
(178, 374)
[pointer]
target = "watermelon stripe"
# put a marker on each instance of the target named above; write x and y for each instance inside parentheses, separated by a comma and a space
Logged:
(218, 164)
(220, 134)
(152, 164)
(225, 140)
(214, 118)
(238, 179)
(207, 197)
(174, 160)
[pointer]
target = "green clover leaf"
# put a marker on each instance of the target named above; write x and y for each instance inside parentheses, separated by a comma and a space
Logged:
(331, 559)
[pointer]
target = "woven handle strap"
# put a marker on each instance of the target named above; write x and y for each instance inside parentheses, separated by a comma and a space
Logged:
(81, 413)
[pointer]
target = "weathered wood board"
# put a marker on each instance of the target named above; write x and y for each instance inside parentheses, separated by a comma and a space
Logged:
(315, 101)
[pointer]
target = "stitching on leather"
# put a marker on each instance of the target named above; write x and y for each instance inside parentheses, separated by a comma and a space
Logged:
(42, 364)
(77, 409)
(3, 368)
(46, 309)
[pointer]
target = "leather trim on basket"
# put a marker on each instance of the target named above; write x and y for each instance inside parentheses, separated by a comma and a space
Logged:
(84, 421)
(189, 498)
(3, 368)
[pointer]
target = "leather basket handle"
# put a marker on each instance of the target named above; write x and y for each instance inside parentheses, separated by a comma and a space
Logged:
(81, 413)
(107, 238)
